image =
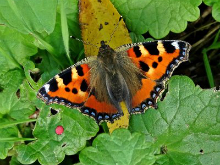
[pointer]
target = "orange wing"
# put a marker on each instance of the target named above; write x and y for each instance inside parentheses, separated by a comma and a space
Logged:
(156, 60)
(71, 88)
(146, 96)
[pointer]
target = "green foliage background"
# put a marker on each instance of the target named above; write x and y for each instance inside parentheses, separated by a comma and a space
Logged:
(35, 45)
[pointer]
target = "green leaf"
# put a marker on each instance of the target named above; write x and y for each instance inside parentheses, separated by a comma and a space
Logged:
(55, 39)
(15, 50)
(156, 16)
(6, 133)
(77, 50)
(29, 16)
(50, 148)
(48, 67)
(71, 10)
(13, 104)
(14, 161)
(136, 37)
(139, 38)
(215, 8)
(121, 147)
(29, 67)
(65, 30)
(185, 128)
(13, 101)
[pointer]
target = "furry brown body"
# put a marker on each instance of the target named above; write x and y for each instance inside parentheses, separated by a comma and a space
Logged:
(116, 77)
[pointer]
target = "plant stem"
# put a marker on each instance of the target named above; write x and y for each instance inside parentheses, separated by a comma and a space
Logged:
(208, 68)
(16, 139)
(12, 123)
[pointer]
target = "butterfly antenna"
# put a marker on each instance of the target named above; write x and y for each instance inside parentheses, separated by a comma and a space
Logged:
(114, 30)
(85, 43)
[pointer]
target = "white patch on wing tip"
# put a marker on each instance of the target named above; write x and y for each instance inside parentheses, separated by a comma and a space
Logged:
(175, 44)
(46, 87)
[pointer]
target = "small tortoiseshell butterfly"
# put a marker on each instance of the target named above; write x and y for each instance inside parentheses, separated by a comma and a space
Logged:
(134, 74)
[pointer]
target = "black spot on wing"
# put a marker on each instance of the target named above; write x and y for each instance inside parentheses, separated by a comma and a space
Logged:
(160, 59)
(155, 64)
(80, 70)
(144, 66)
(74, 91)
(67, 89)
(66, 76)
(53, 85)
(84, 86)
(151, 48)
(137, 51)
(169, 47)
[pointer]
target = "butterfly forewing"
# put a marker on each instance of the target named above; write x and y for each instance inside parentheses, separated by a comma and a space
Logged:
(158, 59)
(69, 88)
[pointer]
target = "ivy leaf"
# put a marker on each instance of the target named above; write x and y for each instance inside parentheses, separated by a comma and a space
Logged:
(28, 16)
(156, 16)
(50, 148)
(121, 147)
(215, 8)
(185, 128)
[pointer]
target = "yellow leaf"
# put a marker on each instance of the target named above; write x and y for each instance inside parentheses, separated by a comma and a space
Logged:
(99, 21)
(122, 122)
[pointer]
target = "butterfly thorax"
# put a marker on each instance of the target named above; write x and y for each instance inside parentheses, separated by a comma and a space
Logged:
(113, 73)
(107, 58)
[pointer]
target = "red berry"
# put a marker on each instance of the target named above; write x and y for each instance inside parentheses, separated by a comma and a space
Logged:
(59, 130)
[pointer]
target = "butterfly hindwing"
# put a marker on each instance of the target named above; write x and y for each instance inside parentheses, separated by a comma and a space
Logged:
(100, 110)
(147, 96)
